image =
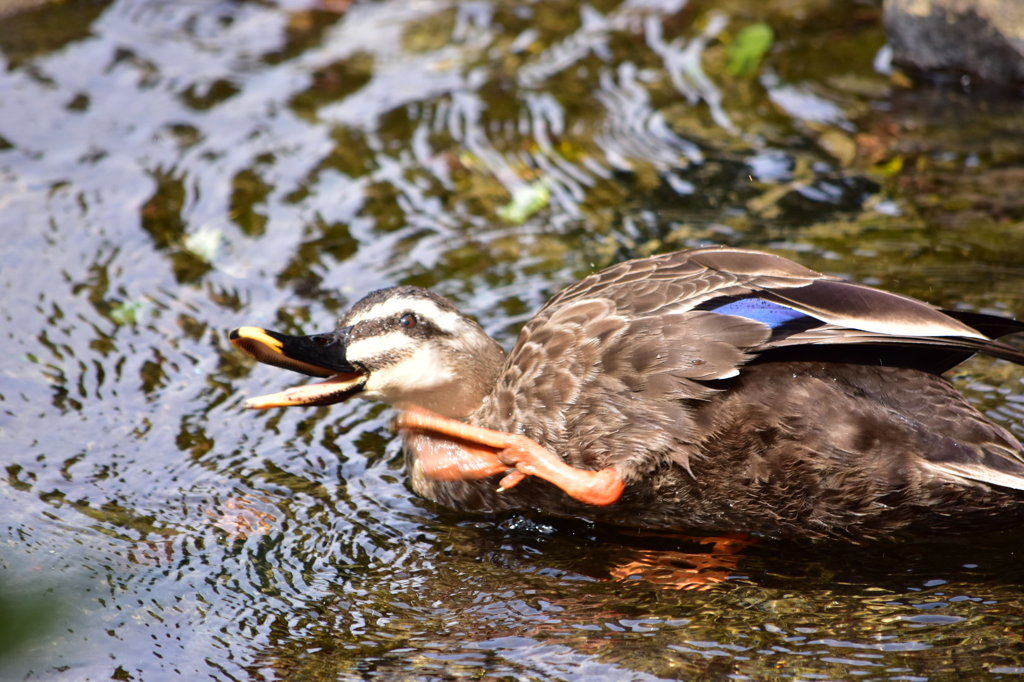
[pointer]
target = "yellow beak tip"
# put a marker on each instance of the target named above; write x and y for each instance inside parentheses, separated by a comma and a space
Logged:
(254, 334)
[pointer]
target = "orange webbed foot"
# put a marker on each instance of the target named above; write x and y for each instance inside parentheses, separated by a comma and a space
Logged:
(526, 457)
(530, 458)
(696, 571)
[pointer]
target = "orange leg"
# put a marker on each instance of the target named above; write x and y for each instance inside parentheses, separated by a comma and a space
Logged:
(457, 460)
(525, 456)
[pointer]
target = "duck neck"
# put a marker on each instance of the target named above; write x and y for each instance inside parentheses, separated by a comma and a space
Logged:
(480, 366)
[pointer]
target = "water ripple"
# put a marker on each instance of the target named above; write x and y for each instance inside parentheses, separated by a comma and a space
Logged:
(170, 171)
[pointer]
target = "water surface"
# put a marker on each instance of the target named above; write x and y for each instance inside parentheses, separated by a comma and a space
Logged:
(169, 171)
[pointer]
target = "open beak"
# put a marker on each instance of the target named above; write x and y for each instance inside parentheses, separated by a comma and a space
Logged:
(318, 355)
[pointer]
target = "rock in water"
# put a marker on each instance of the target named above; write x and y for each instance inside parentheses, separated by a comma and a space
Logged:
(984, 38)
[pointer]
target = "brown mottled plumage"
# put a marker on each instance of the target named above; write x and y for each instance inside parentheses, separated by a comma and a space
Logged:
(728, 390)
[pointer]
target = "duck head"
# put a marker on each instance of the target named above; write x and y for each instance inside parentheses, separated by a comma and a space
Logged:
(403, 346)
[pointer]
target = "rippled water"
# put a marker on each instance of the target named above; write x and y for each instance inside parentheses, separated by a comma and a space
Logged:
(169, 171)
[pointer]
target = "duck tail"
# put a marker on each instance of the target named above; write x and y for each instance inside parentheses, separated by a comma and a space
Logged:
(992, 326)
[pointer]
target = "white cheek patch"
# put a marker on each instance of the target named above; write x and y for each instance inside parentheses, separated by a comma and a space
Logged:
(422, 370)
(446, 320)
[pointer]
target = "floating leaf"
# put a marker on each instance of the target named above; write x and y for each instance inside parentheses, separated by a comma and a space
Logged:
(204, 243)
(129, 312)
(892, 167)
(748, 48)
(526, 200)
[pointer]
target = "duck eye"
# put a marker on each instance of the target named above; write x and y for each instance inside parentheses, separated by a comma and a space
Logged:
(408, 320)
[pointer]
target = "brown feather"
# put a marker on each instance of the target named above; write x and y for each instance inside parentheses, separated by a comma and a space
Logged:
(621, 369)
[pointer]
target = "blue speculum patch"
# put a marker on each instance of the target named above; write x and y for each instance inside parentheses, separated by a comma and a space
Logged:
(771, 314)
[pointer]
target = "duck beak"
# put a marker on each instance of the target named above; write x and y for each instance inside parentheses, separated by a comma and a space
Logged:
(317, 355)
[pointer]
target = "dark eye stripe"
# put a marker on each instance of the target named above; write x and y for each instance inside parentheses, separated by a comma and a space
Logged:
(423, 328)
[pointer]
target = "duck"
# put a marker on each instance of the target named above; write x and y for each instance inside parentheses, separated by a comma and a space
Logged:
(716, 389)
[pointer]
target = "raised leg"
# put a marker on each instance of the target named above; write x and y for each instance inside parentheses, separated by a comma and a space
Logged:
(453, 459)
(523, 455)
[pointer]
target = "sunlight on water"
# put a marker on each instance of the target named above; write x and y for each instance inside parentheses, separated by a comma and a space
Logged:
(171, 171)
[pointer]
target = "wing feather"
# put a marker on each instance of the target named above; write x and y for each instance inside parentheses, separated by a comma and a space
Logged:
(645, 332)
(844, 313)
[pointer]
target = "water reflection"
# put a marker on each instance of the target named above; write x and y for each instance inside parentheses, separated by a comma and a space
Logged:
(553, 620)
(171, 171)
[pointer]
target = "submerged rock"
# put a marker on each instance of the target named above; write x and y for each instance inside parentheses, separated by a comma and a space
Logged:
(984, 38)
